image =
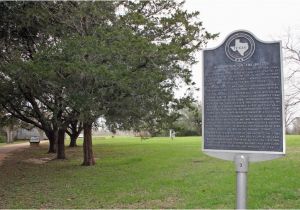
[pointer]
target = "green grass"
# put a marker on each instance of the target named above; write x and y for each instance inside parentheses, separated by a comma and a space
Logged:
(155, 173)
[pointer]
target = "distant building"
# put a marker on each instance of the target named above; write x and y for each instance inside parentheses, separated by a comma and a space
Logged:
(106, 132)
(22, 133)
(11, 134)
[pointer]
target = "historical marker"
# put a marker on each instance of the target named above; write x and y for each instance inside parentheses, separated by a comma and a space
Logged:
(243, 103)
(243, 108)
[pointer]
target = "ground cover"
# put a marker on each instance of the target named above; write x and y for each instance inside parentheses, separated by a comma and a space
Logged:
(153, 173)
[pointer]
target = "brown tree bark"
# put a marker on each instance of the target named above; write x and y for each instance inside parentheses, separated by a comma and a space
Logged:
(88, 156)
(52, 146)
(73, 141)
(52, 136)
(73, 130)
(61, 144)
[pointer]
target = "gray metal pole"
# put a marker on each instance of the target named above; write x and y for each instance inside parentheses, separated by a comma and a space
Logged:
(241, 165)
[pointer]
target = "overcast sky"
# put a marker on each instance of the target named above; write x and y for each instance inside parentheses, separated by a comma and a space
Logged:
(267, 19)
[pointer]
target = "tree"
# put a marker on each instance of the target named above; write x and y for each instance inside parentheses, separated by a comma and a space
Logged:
(189, 121)
(40, 102)
(7, 123)
(289, 110)
(292, 76)
(73, 130)
(296, 126)
(26, 26)
(26, 95)
(117, 60)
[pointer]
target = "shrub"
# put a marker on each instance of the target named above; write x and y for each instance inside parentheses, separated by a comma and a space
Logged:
(187, 133)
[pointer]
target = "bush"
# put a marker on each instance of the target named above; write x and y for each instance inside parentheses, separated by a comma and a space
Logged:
(187, 133)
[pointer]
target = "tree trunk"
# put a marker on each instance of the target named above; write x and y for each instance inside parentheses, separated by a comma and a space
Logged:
(61, 144)
(74, 130)
(52, 136)
(73, 141)
(52, 146)
(88, 157)
(9, 135)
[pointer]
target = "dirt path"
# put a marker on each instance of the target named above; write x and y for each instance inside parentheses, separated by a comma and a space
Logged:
(6, 150)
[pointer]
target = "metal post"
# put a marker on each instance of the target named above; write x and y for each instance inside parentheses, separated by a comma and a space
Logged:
(241, 165)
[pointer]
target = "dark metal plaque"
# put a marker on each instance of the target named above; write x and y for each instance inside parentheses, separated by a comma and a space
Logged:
(242, 93)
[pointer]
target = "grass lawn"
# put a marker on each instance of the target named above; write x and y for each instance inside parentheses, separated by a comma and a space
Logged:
(155, 173)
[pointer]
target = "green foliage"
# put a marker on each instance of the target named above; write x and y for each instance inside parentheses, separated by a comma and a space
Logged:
(83, 60)
(2, 139)
(189, 122)
(115, 71)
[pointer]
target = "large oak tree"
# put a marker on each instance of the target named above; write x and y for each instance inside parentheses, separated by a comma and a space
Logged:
(117, 60)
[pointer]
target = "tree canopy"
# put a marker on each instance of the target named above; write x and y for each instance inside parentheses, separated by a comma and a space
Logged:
(66, 62)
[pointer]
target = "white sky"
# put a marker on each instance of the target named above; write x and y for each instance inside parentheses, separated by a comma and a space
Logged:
(266, 19)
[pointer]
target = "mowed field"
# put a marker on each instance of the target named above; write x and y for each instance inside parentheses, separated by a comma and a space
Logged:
(154, 173)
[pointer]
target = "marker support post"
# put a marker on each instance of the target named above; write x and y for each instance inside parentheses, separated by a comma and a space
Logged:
(241, 166)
